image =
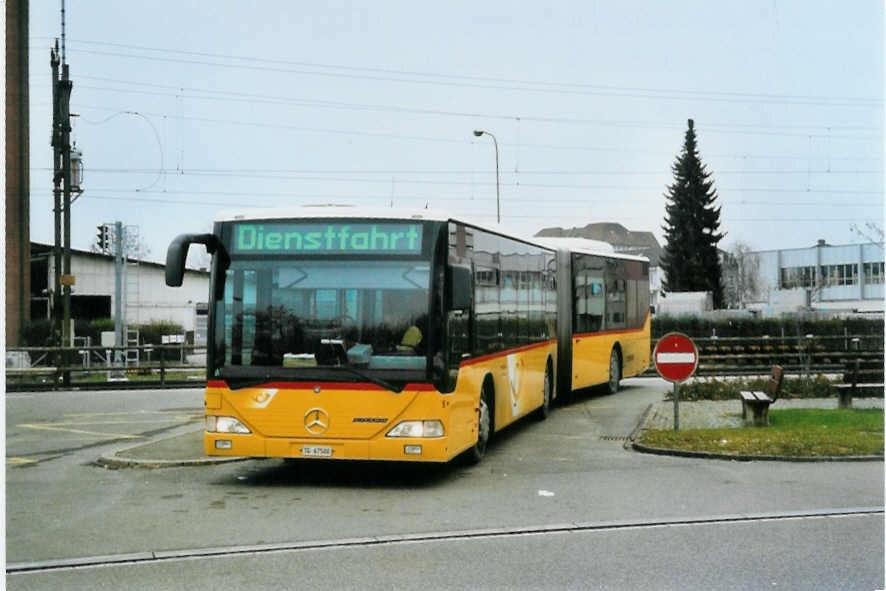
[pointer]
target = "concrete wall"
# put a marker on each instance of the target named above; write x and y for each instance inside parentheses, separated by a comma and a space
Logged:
(687, 303)
(156, 301)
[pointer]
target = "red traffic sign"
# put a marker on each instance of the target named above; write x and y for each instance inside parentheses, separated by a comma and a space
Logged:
(675, 357)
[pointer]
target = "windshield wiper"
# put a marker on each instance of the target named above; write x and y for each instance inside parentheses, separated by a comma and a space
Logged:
(372, 379)
(257, 376)
(266, 375)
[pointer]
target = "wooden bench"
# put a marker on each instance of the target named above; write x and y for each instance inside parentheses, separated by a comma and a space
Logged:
(855, 386)
(758, 402)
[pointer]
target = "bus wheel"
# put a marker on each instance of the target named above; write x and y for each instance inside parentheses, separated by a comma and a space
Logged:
(614, 371)
(545, 409)
(484, 427)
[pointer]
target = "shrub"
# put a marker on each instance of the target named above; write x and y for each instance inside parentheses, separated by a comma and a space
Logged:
(817, 386)
(38, 333)
(94, 329)
(152, 334)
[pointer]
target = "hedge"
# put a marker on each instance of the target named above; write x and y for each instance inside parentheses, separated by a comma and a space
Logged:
(39, 332)
(696, 327)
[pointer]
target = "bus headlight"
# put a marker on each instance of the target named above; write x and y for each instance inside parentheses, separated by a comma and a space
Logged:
(216, 424)
(432, 428)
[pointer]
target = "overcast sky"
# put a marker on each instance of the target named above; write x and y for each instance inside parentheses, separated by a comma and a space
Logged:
(188, 108)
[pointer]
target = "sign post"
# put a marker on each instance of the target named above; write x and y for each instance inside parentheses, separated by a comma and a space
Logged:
(676, 359)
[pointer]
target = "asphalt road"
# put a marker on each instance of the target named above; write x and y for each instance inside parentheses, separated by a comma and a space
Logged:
(277, 524)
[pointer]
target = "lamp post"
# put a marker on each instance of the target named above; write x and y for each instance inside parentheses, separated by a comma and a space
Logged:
(478, 133)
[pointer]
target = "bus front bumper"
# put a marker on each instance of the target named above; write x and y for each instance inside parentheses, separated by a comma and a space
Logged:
(387, 448)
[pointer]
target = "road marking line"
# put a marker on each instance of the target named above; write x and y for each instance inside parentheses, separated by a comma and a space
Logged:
(158, 556)
(146, 421)
(130, 413)
(51, 427)
(20, 461)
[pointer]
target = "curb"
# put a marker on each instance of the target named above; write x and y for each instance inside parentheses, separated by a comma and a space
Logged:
(116, 461)
(745, 458)
(641, 426)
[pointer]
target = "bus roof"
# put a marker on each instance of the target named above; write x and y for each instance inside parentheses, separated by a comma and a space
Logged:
(329, 211)
(588, 246)
(579, 245)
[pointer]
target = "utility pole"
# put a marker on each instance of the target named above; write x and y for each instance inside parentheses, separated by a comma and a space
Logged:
(119, 262)
(67, 278)
(61, 149)
(57, 164)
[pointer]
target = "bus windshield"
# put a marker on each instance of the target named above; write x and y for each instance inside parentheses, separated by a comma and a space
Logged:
(295, 314)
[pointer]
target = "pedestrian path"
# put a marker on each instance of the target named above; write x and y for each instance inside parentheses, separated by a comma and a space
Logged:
(717, 414)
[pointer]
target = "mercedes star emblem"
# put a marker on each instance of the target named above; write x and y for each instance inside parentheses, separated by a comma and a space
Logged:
(316, 421)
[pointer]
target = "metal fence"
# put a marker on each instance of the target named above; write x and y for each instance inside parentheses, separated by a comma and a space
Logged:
(49, 368)
(807, 354)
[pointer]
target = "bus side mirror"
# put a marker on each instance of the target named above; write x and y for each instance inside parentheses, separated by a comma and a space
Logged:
(177, 254)
(461, 288)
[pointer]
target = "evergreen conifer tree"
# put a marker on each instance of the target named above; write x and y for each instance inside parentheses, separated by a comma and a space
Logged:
(690, 261)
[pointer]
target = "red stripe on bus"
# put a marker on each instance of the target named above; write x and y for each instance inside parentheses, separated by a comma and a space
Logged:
(491, 356)
(324, 385)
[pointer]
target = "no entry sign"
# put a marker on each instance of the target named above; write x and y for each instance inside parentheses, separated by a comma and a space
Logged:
(675, 357)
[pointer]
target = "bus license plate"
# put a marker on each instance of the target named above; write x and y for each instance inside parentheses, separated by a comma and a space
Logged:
(318, 451)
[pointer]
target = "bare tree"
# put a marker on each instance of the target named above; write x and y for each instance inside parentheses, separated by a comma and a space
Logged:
(134, 246)
(741, 276)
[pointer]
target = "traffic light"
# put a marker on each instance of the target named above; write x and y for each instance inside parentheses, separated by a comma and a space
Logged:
(104, 237)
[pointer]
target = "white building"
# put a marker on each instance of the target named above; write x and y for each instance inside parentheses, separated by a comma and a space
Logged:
(822, 278)
(146, 298)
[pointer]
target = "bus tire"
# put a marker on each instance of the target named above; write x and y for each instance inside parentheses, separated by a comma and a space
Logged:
(614, 370)
(545, 409)
(484, 424)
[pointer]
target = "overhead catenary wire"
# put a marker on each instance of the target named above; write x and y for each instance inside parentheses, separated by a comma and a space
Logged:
(251, 204)
(412, 76)
(160, 171)
(296, 174)
(729, 201)
(727, 128)
(564, 147)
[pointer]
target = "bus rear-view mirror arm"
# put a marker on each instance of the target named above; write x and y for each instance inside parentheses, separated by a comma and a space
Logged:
(177, 254)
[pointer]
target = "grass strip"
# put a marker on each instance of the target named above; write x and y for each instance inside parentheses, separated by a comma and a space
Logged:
(792, 432)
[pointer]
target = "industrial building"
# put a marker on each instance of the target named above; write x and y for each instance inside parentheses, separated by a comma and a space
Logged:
(144, 294)
(822, 278)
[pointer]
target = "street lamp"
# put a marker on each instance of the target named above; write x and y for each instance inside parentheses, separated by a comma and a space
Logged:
(478, 133)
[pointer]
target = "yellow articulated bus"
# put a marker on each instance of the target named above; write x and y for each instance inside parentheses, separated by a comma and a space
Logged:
(376, 335)
(605, 324)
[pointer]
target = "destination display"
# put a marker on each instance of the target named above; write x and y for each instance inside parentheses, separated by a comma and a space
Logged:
(327, 238)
